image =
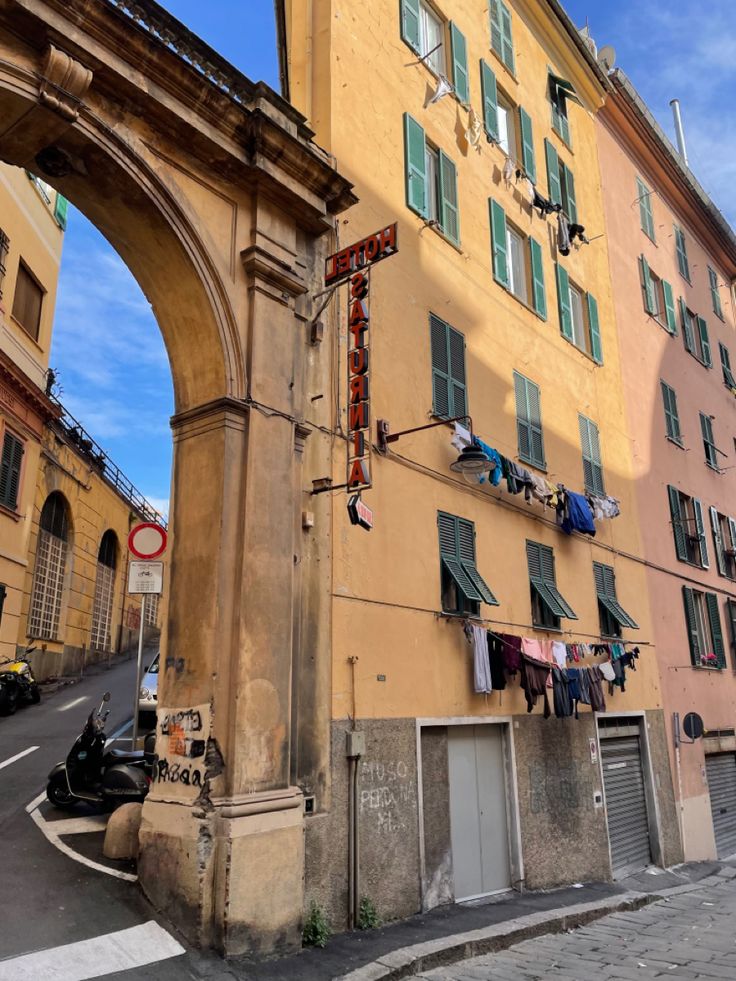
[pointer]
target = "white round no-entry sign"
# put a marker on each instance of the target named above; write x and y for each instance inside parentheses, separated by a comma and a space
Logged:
(147, 540)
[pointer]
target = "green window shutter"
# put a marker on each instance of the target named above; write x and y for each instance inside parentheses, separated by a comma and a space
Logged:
(449, 216)
(717, 542)
(645, 208)
(447, 525)
(678, 527)
(692, 624)
(715, 295)
(714, 618)
(571, 207)
(705, 342)
(439, 331)
(687, 327)
(605, 585)
(592, 468)
(458, 390)
(502, 40)
(410, 23)
(728, 378)
(449, 535)
(596, 348)
(459, 64)
(60, 210)
(535, 422)
(466, 547)
(669, 307)
(416, 166)
(671, 416)
(547, 559)
(553, 173)
(498, 241)
(682, 262)
(650, 298)
(700, 530)
(10, 467)
(706, 427)
(527, 145)
(537, 267)
(523, 426)
(563, 301)
(489, 91)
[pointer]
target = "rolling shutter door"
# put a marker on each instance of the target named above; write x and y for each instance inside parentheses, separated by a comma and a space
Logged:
(626, 806)
(721, 770)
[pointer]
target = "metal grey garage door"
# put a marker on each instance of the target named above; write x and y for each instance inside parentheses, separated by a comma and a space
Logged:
(721, 770)
(626, 805)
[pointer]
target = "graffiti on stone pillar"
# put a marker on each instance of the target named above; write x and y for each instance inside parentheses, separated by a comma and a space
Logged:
(388, 795)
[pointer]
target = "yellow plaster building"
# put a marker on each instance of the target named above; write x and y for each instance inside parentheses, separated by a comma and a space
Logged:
(484, 312)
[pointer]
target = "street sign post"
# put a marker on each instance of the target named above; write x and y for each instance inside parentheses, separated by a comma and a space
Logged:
(145, 577)
(147, 540)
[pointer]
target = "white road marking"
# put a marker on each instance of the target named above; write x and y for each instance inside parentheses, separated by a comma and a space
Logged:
(74, 702)
(48, 830)
(35, 802)
(120, 730)
(80, 825)
(109, 954)
(18, 756)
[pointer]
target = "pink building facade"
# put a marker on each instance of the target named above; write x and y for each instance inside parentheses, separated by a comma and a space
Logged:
(673, 264)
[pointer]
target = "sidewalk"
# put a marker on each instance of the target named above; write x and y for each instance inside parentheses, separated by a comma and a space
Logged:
(451, 933)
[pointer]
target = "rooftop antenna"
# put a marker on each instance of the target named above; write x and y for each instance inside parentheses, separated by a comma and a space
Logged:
(680, 133)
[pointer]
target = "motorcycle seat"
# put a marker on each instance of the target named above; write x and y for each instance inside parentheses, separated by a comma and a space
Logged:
(125, 755)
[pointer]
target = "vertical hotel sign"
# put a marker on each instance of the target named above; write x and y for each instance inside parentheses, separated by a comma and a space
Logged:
(354, 264)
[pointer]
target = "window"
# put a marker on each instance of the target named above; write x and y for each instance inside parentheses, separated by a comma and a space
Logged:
(612, 615)
(10, 466)
(27, 301)
(548, 604)
(151, 616)
(578, 312)
(659, 299)
(731, 618)
(714, 294)
(592, 469)
(645, 208)
(459, 64)
(424, 31)
(61, 208)
(724, 542)
(728, 379)
(431, 181)
(682, 263)
(491, 110)
(695, 335)
(449, 395)
(711, 451)
(48, 578)
(529, 422)
(4, 249)
(671, 415)
(560, 182)
(501, 40)
(560, 91)
(463, 587)
(517, 261)
(688, 529)
(704, 629)
(102, 608)
(507, 136)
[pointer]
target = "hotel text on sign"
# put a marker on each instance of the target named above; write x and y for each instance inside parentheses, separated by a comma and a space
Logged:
(361, 254)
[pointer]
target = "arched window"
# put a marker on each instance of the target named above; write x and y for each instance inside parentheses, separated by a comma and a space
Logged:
(51, 560)
(107, 558)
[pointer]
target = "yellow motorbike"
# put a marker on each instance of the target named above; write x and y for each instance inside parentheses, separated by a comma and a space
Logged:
(17, 684)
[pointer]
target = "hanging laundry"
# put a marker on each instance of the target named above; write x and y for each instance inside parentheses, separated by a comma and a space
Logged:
(606, 669)
(481, 666)
(531, 191)
(511, 653)
(604, 507)
(541, 490)
(544, 206)
(444, 87)
(559, 653)
(561, 693)
(475, 130)
(573, 687)
(563, 234)
(534, 677)
(496, 660)
(578, 231)
(520, 478)
(577, 515)
(508, 171)
(495, 473)
(597, 698)
(584, 682)
(461, 438)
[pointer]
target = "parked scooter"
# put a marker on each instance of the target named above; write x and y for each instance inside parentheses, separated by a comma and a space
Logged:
(17, 684)
(98, 775)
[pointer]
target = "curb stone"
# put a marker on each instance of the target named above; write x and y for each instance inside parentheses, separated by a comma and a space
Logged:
(407, 962)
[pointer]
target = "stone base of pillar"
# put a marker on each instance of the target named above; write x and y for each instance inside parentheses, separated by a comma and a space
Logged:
(231, 878)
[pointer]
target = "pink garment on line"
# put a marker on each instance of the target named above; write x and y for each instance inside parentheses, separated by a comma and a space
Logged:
(539, 650)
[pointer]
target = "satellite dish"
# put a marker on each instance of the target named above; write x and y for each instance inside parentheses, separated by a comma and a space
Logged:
(693, 725)
(607, 57)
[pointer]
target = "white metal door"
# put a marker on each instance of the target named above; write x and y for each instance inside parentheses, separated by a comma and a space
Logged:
(626, 805)
(721, 770)
(478, 812)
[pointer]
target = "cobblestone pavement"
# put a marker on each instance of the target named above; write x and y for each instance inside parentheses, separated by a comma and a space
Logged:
(692, 935)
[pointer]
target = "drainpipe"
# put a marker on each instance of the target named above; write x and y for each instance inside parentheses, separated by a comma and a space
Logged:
(354, 749)
(679, 131)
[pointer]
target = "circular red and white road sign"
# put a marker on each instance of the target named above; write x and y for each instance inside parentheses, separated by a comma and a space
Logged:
(147, 540)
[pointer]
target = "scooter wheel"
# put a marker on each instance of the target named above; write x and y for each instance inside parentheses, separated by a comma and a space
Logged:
(35, 694)
(9, 704)
(58, 793)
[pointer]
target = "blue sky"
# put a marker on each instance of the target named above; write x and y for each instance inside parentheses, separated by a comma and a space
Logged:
(107, 348)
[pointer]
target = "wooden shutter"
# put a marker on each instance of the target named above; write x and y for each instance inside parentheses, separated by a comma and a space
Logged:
(706, 428)
(687, 328)
(678, 529)
(714, 294)
(527, 145)
(440, 367)
(553, 173)
(705, 342)
(61, 208)
(489, 90)
(596, 348)
(731, 616)
(537, 267)
(535, 424)
(691, 623)
(570, 204)
(410, 23)
(449, 216)
(563, 301)
(466, 548)
(450, 530)
(728, 378)
(592, 468)
(717, 542)
(523, 427)
(27, 302)
(10, 466)
(458, 391)
(682, 253)
(496, 29)
(416, 166)
(700, 531)
(498, 241)
(559, 604)
(650, 298)
(501, 37)
(459, 64)
(669, 307)
(714, 618)
(672, 419)
(645, 208)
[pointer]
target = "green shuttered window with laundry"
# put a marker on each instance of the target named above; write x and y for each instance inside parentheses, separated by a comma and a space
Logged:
(529, 421)
(605, 586)
(541, 563)
(463, 587)
(449, 391)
